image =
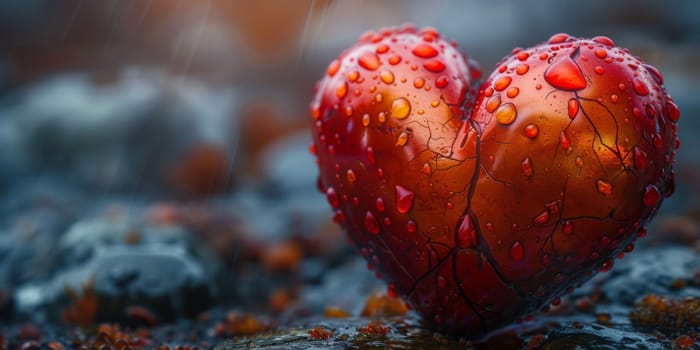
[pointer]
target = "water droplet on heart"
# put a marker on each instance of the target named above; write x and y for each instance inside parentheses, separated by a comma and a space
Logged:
(441, 281)
(370, 155)
(369, 61)
(402, 139)
(333, 68)
(386, 76)
(614, 98)
(673, 112)
(654, 73)
(522, 56)
(492, 103)
(371, 223)
(522, 69)
(565, 74)
(573, 108)
(351, 176)
(640, 88)
(441, 82)
(501, 83)
(400, 108)
(348, 111)
(604, 40)
(558, 38)
(425, 51)
(642, 232)
(466, 234)
(512, 92)
(564, 141)
(599, 70)
(418, 83)
(338, 217)
(517, 252)
(568, 227)
(353, 76)
(651, 195)
(411, 226)
(526, 166)
(382, 48)
(394, 60)
(365, 119)
(435, 103)
(542, 218)
(404, 199)
(435, 65)
(380, 204)
(506, 113)
(381, 117)
(601, 53)
(657, 141)
(426, 168)
(607, 265)
(531, 131)
(332, 197)
(651, 111)
(579, 162)
(604, 187)
(341, 90)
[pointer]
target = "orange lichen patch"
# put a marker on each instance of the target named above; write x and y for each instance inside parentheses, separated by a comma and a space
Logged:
(335, 312)
(282, 257)
(375, 327)
(85, 305)
(667, 314)
(380, 304)
(684, 341)
(320, 333)
(237, 324)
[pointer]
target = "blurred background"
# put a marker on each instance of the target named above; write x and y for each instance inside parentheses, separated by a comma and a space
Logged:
(135, 133)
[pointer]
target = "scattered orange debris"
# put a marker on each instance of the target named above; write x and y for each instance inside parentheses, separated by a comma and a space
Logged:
(282, 257)
(380, 304)
(375, 327)
(320, 333)
(667, 314)
(85, 305)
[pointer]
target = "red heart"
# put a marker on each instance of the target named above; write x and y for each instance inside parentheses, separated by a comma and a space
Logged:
(481, 208)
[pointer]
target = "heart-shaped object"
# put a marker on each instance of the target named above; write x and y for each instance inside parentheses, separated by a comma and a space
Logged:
(482, 208)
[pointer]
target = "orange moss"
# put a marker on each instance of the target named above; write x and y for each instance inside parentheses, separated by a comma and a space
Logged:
(667, 314)
(379, 304)
(320, 333)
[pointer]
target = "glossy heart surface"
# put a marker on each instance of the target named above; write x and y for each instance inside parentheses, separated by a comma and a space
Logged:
(480, 205)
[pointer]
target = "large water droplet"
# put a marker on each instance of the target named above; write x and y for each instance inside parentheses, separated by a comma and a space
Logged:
(526, 166)
(564, 141)
(651, 195)
(404, 199)
(466, 234)
(568, 227)
(512, 92)
(380, 204)
(506, 113)
(341, 90)
(501, 83)
(565, 74)
(371, 223)
(492, 103)
(573, 108)
(418, 83)
(400, 108)
(441, 82)
(434, 65)
(369, 61)
(558, 38)
(639, 87)
(604, 40)
(425, 51)
(604, 187)
(386, 76)
(517, 252)
(522, 69)
(394, 60)
(673, 112)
